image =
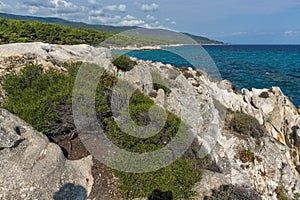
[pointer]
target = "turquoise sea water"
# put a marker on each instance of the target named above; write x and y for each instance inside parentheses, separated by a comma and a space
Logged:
(247, 66)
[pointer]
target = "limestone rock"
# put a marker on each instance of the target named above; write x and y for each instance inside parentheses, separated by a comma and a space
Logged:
(33, 168)
(14, 57)
(196, 105)
(209, 181)
(30, 162)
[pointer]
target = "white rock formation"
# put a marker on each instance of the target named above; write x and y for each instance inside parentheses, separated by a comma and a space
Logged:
(194, 102)
(33, 168)
(199, 101)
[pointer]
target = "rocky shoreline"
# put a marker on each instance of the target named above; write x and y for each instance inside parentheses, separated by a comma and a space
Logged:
(274, 154)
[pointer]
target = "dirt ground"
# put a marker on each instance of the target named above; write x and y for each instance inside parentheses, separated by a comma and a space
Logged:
(104, 187)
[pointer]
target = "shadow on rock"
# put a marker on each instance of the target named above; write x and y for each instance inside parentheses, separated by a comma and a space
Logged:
(231, 192)
(71, 192)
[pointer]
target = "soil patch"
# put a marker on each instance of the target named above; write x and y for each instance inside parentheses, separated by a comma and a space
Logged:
(104, 182)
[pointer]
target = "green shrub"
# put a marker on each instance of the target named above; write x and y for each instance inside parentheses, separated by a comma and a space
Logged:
(123, 62)
(245, 124)
(297, 196)
(157, 86)
(44, 99)
(281, 193)
(179, 178)
(246, 155)
(33, 95)
(264, 95)
(160, 83)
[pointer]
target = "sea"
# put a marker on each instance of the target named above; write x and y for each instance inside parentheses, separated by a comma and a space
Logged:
(246, 66)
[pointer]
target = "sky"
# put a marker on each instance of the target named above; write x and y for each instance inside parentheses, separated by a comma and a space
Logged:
(231, 21)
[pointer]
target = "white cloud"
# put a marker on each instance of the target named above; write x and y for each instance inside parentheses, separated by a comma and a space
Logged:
(111, 7)
(33, 9)
(167, 19)
(96, 12)
(120, 8)
(173, 23)
(155, 24)
(3, 6)
(149, 7)
(129, 17)
(292, 33)
(105, 19)
(93, 2)
(150, 17)
(132, 22)
(64, 6)
(48, 7)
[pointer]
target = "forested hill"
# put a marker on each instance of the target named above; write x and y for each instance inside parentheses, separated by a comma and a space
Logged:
(54, 20)
(13, 31)
(103, 28)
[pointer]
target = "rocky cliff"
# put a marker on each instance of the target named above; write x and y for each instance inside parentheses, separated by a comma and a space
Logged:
(275, 153)
(259, 167)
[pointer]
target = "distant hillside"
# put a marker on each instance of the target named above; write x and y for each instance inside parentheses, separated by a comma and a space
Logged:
(203, 40)
(103, 28)
(14, 31)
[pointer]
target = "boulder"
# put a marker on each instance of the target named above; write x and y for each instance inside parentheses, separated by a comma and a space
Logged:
(33, 168)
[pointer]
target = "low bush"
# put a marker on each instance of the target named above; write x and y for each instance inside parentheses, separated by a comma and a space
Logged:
(178, 178)
(281, 193)
(160, 83)
(44, 99)
(264, 95)
(246, 156)
(157, 86)
(123, 62)
(34, 95)
(244, 124)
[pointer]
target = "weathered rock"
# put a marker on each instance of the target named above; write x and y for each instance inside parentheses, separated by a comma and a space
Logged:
(200, 102)
(195, 104)
(33, 168)
(209, 181)
(297, 137)
(14, 57)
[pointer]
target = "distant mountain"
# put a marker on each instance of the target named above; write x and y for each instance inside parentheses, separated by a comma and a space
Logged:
(203, 40)
(104, 28)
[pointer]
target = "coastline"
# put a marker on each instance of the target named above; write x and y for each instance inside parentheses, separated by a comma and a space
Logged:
(159, 47)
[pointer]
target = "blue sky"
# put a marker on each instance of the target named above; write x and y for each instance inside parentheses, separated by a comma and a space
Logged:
(232, 21)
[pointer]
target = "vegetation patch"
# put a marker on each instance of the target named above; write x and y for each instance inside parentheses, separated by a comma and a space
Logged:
(244, 124)
(246, 156)
(160, 83)
(44, 99)
(188, 75)
(178, 178)
(123, 62)
(264, 95)
(13, 31)
(157, 86)
(281, 193)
